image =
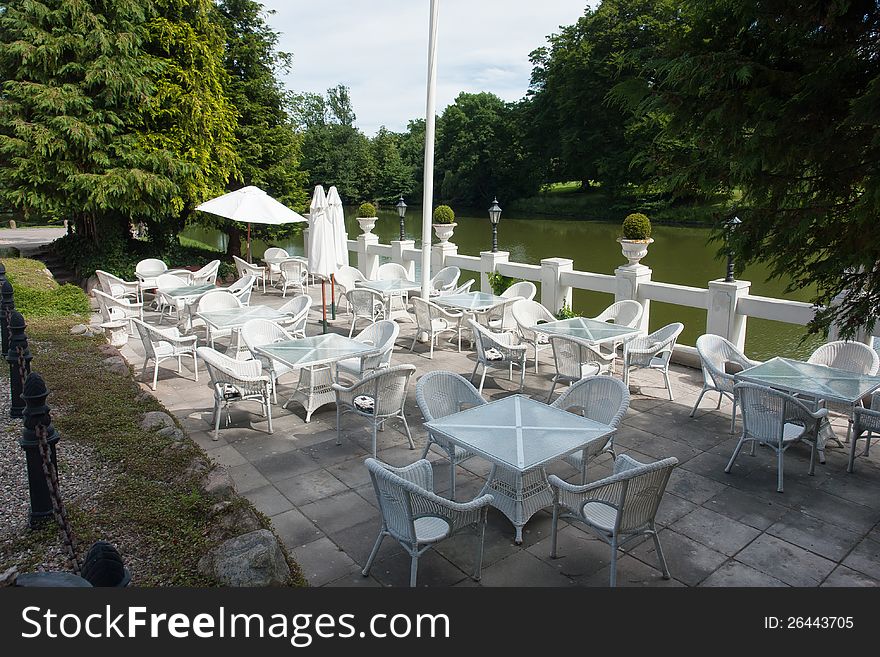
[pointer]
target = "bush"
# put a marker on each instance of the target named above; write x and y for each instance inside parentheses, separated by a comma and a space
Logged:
(366, 210)
(499, 282)
(38, 295)
(443, 214)
(566, 312)
(636, 226)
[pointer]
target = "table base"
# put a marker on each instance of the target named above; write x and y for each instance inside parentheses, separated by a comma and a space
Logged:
(518, 495)
(313, 389)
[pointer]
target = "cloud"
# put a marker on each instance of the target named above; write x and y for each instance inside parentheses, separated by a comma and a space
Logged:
(379, 48)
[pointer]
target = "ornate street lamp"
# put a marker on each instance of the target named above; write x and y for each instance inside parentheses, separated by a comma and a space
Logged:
(401, 212)
(495, 217)
(730, 225)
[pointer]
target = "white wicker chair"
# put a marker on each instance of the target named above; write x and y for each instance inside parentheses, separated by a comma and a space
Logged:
(146, 271)
(576, 359)
(117, 287)
(526, 314)
(364, 304)
(297, 310)
(118, 309)
(210, 301)
(274, 269)
(461, 289)
(444, 280)
(652, 351)
(777, 420)
(391, 271)
(160, 344)
(497, 350)
(434, 320)
(622, 313)
(244, 268)
(500, 318)
(380, 335)
(616, 509)
(242, 288)
(866, 422)
(379, 396)
(260, 332)
(524, 289)
(294, 273)
(439, 394)
(417, 518)
(599, 398)
(716, 353)
(233, 381)
(207, 275)
(347, 279)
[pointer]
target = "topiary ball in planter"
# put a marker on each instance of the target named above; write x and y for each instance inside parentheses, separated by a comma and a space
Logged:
(366, 216)
(444, 222)
(636, 237)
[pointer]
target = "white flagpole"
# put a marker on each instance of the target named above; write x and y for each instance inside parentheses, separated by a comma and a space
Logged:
(428, 195)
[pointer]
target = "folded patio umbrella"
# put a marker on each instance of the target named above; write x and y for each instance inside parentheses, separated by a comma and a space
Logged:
(251, 205)
(337, 219)
(323, 254)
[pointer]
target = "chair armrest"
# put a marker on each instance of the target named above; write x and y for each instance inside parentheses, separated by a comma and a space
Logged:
(457, 514)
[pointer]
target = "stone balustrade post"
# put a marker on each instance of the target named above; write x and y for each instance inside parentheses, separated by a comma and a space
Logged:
(397, 249)
(368, 262)
(489, 261)
(722, 318)
(555, 295)
(439, 253)
(629, 277)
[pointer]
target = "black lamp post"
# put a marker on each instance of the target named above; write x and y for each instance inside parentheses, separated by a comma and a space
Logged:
(401, 212)
(731, 225)
(495, 217)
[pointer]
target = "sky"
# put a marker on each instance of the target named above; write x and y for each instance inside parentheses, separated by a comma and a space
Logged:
(379, 49)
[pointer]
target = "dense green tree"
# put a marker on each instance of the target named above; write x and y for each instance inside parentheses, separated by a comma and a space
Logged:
(781, 101)
(393, 176)
(75, 83)
(412, 154)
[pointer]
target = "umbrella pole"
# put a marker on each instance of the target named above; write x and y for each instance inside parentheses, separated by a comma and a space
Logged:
(249, 243)
(324, 303)
(333, 296)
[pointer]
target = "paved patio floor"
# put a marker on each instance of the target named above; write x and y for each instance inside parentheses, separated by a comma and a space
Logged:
(718, 529)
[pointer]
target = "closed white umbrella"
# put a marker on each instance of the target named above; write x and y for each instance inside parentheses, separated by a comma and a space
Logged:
(337, 219)
(251, 205)
(322, 245)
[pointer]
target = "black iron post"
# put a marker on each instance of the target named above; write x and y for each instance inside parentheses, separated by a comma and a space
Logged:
(7, 305)
(19, 359)
(36, 413)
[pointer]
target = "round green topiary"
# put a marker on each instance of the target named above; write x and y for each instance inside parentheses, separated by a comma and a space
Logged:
(636, 226)
(443, 214)
(366, 210)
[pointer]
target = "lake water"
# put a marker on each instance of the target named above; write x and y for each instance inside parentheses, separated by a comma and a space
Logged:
(679, 255)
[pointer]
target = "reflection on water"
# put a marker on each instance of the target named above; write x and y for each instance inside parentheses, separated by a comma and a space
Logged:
(680, 255)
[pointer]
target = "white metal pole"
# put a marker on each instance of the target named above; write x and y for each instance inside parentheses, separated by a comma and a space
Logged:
(428, 195)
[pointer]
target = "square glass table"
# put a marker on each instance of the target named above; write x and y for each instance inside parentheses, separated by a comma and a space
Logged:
(232, 319)
(519, 435)
(395, 292)
(315, 357)
(189, 291)
(593, 330)
(470, 301)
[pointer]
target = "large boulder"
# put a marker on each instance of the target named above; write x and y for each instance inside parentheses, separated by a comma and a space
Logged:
(117, 365)
(252, 559)
(156, 420)
(218, 483)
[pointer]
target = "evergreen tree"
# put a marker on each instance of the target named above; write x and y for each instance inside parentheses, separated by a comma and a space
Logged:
(393, 176)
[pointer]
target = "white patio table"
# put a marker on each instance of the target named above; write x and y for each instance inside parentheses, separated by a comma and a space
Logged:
(395, 292)
(593, 330)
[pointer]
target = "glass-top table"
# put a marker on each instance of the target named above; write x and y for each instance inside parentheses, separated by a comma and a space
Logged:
(315, 357)
(594, 330)
(394, 291)
(818, 381)
(472, 301)
(519, 435)
(233, 318)
(189, 291)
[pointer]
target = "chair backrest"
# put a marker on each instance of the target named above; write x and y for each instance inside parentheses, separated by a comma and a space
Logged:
(207, 274)
(381, 335)
(445, 279)
(715, 353)
(391, 271)
(298, 309)
(388, 387)
(243, 267)
(398, 497)
(659, 343)
(217, 300)
(246, 376)
(847, 355)
(571, 353)
(110, 284)
(641, 491)
(242, 289)
(259, 332)
(600, 398)
(765, 411)
(485, 339)
(463, 288)
(440, 393)
(111, 307)
(526, 313)
(524, 289)
(275, 252)
(145, 331)
(425, 311)
(347, 276)
(294, 270)
(625, 313)
(363, 301)
(170, 282)
(504, 311)
(150, 268)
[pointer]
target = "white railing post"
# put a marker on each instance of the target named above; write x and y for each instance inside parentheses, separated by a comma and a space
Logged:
(397, 248)
(555, 295)
(488, 262)
(629, 277)
(368, 263)
(439, 253)
(722, 318)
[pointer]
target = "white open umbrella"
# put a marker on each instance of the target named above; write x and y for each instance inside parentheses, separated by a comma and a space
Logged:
(251, 205)
(322, 245)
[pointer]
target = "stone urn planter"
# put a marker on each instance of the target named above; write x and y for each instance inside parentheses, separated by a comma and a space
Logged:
(367, 224)
(444, 231)
(634, 250)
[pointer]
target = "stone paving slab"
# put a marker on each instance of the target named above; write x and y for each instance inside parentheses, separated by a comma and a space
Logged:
(716, 529)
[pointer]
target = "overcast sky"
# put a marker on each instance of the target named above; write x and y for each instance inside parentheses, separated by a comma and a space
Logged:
(379, 49)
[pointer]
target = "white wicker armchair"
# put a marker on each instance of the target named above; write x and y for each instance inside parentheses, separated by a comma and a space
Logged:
(461, 289)
(600, 398)
(497, 350)
(616, 509)
(146, 271)
(380, 335)
(364, 304)
(297, 311)
(716, 353)
(347, 279)
(866, 422)
(244, 268)
(274, 268)
(160, 344)
(652, 351)
(444, 280)
(207, 275)
(119, 309)
(260, 332)
(439, 394)
(576, 359)
(777, 420)
(379, 396)
(622, 313)
(527, 314)
(294, 273)
(118, 287)
(242, 288)
(209, 302)
(418, 518)
(234, 381)
(500, 318)
(434, 320)
(524, 289)
(391, 271)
